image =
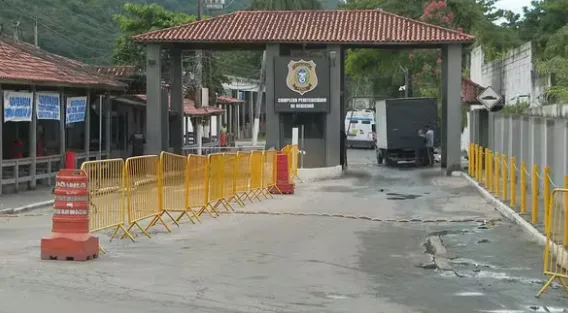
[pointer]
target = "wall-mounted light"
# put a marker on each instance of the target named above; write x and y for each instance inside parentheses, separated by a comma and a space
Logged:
(332, 57)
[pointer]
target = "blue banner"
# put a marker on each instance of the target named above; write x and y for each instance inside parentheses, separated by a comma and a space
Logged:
(17, 106)
(48, 106)
(75, 110)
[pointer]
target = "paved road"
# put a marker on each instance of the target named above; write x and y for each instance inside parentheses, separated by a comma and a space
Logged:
(262, 263)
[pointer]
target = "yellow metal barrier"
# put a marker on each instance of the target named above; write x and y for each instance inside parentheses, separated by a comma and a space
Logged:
(174, 185)
(242, 176)
(496, 180)
(142, 189)
(484, 175)
(534, 193)
(513, 171)
(197, 196)
(523, 187)
(229, 172)
(216, 182)
(479, 160)
(257, 166)
(293, 161)
(469, 159)
(107, 201)
(504, 177)
(269, 172)
(489, 171)
(555, 253)
(547, 194)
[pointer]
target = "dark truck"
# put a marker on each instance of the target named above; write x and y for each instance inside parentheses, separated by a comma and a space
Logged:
(397, 123)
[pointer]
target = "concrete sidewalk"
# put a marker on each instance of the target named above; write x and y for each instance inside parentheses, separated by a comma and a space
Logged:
(25, 201)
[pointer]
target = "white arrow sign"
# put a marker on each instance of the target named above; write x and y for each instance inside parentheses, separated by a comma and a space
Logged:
(489, 98)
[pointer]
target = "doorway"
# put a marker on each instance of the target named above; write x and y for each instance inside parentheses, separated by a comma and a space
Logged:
(311, 133)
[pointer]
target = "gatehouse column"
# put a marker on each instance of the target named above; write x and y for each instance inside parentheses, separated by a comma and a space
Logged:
(154, 119)
(451, 110)
(177, 100)
(272, 120)
(334, 118)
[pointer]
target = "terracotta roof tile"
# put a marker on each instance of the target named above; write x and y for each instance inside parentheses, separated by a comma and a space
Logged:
(370, 27)
(119, 71)
(469, 91)
(25, 64)
(228, 100)
(189, 107)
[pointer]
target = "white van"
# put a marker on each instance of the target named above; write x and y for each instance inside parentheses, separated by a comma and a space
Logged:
(360, 129)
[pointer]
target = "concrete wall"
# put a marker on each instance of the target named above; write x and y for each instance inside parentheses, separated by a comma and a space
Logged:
(539, 140)
(514, 75)
(553, 110)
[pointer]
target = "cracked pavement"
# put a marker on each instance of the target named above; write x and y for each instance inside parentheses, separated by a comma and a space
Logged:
(262, 263)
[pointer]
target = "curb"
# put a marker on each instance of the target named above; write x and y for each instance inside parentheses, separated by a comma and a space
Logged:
(507, 212)
(26, 208)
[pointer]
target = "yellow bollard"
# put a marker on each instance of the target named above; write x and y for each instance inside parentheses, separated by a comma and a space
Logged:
(486, 167)
(473, 153)
(496, 180)
(469, 158)
(523, 187)
(546, 185)
(513, 172)
(479, 158)
(489, 171)
(504, 177)
(566, 211)
(534, 193)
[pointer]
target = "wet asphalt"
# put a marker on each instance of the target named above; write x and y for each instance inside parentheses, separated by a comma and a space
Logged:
(274, 263)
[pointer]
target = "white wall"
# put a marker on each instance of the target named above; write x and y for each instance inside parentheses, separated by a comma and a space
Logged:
(514, 75)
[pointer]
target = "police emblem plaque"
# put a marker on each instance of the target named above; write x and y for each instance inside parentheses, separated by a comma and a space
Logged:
(302, 76)
(301, 85)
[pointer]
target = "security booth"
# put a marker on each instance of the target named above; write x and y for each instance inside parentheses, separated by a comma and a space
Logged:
(302, 100)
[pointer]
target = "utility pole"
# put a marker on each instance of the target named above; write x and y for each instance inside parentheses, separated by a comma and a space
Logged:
(36, 41)
(198, 79)
(256, 125)
(406, 80)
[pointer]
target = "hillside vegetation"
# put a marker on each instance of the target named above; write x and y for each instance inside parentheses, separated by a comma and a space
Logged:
(85, 29)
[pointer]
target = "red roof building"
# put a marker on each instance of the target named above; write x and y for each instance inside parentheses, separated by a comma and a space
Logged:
(189, 107)
(470, 91)
(24, 64)
(353, 27)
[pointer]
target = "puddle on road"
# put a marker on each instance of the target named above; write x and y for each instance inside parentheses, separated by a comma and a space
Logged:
(469, 294)
(401, 196)
(334, 296)
(338, 189)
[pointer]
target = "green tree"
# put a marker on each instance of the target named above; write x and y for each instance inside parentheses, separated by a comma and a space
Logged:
(546, 25)
(137, 19)
(471, 16)
(278, 5)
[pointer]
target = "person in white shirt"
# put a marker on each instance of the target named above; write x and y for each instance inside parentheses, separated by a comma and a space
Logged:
(429, 135)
